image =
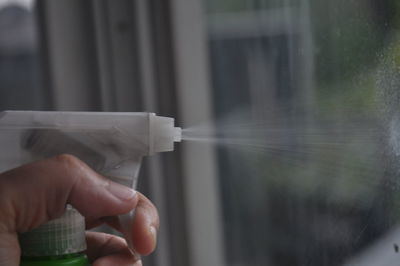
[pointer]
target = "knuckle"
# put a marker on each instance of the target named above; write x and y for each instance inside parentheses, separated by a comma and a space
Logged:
(68, 160)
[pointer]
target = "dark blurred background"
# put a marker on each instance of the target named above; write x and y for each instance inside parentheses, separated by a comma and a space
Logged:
(20, 67)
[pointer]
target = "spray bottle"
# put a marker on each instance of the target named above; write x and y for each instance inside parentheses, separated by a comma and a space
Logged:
(112, 144)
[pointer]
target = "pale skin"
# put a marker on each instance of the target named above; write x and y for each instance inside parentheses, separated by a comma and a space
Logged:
(38, 192)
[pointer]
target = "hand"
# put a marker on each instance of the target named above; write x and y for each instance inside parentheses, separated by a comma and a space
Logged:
(38, 192)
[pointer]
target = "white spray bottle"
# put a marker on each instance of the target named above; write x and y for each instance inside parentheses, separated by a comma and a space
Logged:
(112, 144)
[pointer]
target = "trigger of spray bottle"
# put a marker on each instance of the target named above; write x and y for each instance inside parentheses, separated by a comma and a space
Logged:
(161, 138)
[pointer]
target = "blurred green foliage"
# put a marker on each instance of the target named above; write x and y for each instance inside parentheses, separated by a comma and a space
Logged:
(347, 38)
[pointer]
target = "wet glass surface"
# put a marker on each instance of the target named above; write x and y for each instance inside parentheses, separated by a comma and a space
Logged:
(307, 106)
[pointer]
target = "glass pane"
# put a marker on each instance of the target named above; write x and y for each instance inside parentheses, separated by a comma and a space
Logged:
(20, 82)
(306, 98)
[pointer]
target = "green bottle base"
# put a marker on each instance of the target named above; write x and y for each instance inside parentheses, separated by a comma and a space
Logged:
(67, 260)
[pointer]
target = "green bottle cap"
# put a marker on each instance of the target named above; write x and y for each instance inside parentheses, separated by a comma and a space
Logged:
(62, 236)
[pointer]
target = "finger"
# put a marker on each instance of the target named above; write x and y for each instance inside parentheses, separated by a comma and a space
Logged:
(35, 193)
(104, 250)
(144, 228)
(9, 249)
(113, 221)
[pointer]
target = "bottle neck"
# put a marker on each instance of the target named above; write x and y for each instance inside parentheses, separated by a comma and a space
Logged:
(59, 237)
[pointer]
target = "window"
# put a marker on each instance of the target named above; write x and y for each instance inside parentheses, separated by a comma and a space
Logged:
(304, 95)
(20, 70)
(294, 106)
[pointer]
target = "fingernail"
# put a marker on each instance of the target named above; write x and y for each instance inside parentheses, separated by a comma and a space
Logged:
(122, 192)
(153, 232)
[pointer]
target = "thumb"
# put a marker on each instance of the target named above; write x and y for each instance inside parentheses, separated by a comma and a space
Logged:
(38, 192)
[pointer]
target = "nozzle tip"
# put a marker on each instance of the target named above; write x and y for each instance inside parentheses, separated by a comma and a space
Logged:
(177, 134)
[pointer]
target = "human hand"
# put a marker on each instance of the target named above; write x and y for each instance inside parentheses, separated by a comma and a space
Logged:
(38, 192)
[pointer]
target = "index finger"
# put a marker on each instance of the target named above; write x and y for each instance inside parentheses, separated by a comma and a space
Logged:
(38, 192)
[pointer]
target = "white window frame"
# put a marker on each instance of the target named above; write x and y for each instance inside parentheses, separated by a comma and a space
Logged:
(199, 160)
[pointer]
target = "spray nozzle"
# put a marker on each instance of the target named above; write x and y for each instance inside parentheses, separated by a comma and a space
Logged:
(163, 133)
